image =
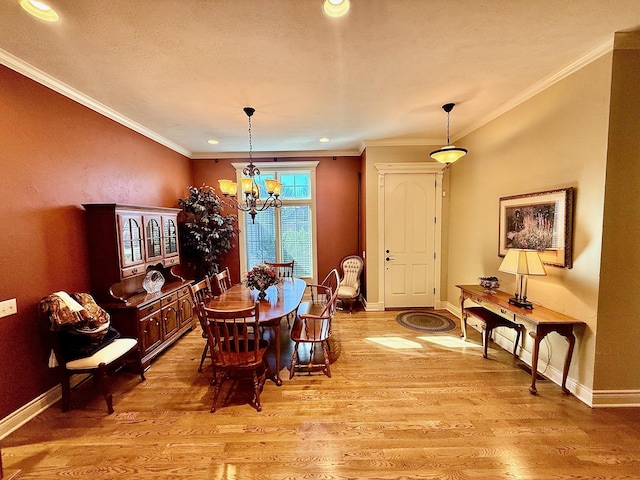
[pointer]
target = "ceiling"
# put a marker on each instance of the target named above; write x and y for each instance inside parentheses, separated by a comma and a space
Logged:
(181, 71)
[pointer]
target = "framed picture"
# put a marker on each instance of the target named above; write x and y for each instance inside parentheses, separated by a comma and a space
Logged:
(540, 221)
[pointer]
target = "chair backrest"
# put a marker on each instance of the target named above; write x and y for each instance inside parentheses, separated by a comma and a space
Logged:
(201, 293)
(351, 266)
(322, 301)
(283, 269)
(332, 280)
(314, 319)
(234, 336)
(223, 279)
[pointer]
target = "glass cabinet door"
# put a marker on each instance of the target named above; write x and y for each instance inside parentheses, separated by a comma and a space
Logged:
(153, 235)
(131, 240)
(170, 236)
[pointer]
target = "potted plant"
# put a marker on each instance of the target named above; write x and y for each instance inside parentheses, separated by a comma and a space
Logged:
(205, 232)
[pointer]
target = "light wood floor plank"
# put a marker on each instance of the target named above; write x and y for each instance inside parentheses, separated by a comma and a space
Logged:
(427, 412)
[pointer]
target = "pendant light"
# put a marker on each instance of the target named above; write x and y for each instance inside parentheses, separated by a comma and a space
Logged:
(251, 203)
(448, 154)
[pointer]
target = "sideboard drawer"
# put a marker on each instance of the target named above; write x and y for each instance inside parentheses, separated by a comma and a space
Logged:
(166, 300)
(497, 309)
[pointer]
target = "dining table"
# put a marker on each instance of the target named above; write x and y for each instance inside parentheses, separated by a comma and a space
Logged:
(282, 300)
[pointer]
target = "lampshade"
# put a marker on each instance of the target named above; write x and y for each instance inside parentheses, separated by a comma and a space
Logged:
(225, 186)
(522, 262)
(448, 154)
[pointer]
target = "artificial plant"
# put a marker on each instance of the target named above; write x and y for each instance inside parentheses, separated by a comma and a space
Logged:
(205, 232)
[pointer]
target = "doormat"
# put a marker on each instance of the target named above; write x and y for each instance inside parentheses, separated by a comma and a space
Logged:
(426, 322)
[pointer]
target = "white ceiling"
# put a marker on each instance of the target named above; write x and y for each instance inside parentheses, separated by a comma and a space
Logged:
(180, 71)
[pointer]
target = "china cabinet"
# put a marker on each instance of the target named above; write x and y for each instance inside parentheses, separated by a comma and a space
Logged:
(125, 242)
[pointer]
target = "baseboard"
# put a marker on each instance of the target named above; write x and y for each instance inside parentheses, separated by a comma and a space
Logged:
(15, 420)
(373, 306)
(616, 398)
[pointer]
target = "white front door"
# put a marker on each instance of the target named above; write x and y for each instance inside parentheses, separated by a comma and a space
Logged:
(409, 239)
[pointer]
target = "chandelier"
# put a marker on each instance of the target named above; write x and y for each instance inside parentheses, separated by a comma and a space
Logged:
(448, 154)
(251, 202)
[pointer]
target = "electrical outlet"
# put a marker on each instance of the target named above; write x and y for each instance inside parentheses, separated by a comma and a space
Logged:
(8, 307)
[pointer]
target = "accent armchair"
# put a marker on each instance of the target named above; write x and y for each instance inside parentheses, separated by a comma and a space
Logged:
(349, 288)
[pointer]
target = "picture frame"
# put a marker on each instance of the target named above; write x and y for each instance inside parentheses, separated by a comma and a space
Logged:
(540, 221)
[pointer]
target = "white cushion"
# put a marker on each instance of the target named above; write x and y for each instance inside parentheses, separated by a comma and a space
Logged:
(106, 355)
(345, 291)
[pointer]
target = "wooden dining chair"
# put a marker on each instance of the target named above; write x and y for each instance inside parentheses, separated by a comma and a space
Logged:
(283, 269)
(201, 292)
(223, 280)
(312, 327)
(237, 346)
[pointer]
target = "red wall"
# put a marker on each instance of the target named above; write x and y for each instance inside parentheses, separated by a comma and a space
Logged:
(55, 155)
(336, 205)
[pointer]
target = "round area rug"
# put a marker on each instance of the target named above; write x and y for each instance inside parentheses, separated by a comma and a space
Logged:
(426, 322)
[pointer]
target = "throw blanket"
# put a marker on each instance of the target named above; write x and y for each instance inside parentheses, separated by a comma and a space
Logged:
(81, 325)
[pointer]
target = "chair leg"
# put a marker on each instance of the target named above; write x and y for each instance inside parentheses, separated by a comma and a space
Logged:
(218, 381)
(204, 356)
(102, 379)
(325, 353)
(351, 305)
(294, 361)
(256, 391)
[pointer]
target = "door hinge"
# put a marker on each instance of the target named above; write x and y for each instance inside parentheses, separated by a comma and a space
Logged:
(434, 291)
(434, 255)
(435, 219)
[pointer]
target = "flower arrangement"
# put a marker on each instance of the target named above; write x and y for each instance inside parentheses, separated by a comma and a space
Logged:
(261, 277)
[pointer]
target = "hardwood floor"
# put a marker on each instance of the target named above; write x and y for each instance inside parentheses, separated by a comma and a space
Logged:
(436, 411)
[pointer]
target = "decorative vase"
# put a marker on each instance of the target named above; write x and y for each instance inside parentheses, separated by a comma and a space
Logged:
(153, 282)
(262, 294)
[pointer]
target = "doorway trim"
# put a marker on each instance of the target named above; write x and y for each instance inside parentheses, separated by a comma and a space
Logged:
(395, 168)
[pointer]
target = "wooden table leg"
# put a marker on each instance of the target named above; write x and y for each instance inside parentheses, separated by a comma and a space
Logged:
(463, 318)
(277, 378)
(537, 338)
(567, 332)
(542, 331)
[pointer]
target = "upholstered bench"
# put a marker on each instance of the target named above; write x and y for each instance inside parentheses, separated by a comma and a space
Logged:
(491, 320)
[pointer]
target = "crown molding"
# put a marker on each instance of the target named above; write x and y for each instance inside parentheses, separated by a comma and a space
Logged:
(538, 87)
(402, 142)
(29, 71)
(291, 154)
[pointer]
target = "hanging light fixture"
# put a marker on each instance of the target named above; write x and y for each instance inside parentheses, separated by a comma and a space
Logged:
(448, 154)
(250, 189)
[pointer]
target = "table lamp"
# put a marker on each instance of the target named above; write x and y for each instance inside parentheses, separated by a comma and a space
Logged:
(522, 263)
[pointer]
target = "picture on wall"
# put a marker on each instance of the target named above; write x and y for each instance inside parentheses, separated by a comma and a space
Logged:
(539, 221)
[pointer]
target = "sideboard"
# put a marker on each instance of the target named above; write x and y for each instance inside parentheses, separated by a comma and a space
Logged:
(544, 321)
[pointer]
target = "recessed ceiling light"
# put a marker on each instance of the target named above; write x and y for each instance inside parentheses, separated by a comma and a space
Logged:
(335, 8)
(323, 140)
(39, 10)
(212, 142)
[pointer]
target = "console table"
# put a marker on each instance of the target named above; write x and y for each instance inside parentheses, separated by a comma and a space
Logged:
(544, 320)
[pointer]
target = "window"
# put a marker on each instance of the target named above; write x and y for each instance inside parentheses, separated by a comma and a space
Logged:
(286, 233)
